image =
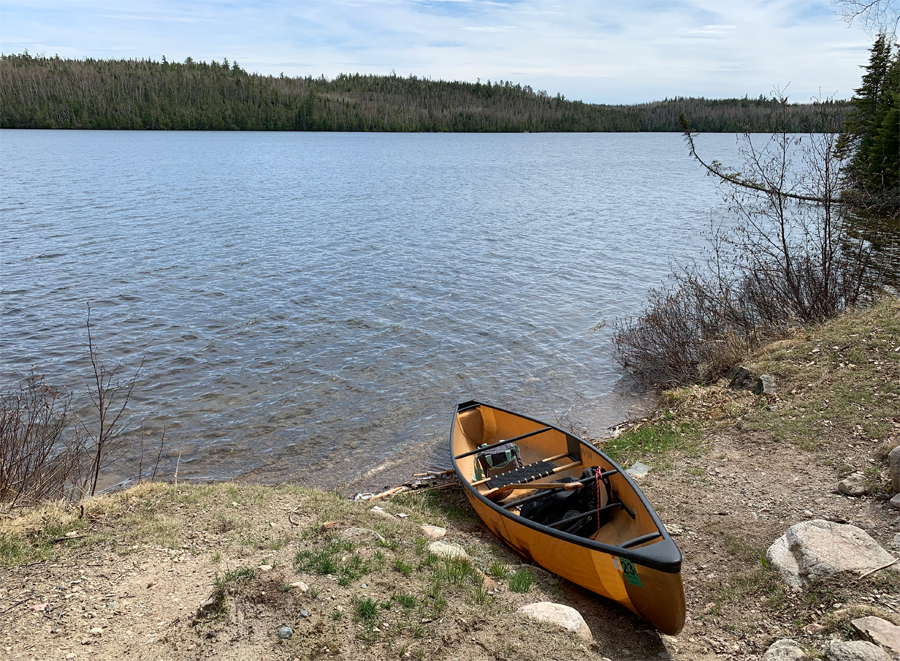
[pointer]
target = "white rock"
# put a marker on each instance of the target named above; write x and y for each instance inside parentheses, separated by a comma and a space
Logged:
(894, 459)
(639, 470)
(855, 650)
(300, 585)
(895, 543)
(821, 548)
(853, 485)
(879, 631)
(784, 650)
(265, 568)
(97, 631)
(563, 616)
(447, 550)
(435, 532)
(362, 533)
(377, 511)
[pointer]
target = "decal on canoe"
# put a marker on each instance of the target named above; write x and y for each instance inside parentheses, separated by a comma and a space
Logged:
(630, 572)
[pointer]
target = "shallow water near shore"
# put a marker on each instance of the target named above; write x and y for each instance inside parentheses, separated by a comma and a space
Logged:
(307, 304)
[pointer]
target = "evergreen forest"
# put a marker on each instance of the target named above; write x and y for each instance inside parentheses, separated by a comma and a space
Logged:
(51, 92)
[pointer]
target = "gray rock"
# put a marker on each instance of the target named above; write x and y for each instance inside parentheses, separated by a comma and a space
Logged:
(435, 532)
(895, 501)
(895, 543)
(639, 470)
(894, 459)
(784, 650)
(563, 616)
(351, 534)
(285, 632)
(740, 378)
(878, 631)
(853, 485)
(764, 385)
(816, 548)
(855, 650)
(447, 550)
(304, 613)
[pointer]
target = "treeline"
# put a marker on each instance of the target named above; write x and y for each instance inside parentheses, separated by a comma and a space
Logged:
(50, 92)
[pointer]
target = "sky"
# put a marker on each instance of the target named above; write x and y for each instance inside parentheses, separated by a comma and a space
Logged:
(598, 51)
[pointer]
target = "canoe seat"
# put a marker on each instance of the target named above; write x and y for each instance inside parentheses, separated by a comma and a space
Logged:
(527, 473)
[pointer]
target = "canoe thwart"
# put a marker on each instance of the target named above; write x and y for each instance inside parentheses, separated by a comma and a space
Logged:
(503, 442)
(639, 540)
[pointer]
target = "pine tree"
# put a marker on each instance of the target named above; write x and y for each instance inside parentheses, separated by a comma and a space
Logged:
(871, 134)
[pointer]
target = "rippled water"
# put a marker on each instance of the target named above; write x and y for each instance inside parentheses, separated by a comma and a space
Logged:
(307, 304)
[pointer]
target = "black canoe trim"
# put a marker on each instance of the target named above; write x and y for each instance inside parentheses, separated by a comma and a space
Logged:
(663, 556)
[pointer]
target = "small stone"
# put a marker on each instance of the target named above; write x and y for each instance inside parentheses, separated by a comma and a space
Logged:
(855, 650)
(364, 586)
(563, 616)
(265, 568)
(894, 460)
(784, 650)
(70, 655)
(879, 631)
(377, 511)
(363, 534)
(434, 532)
(813, 629)
(97, 631)
(853, 485)
(639, 470)
(300, 585)
(764, 385)
(447, 550)
(86, 641)
(285, 632)
(304, 613)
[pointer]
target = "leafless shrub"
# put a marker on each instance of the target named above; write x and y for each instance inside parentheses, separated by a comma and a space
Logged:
(794, 253)
(36, 461)
(103, 438)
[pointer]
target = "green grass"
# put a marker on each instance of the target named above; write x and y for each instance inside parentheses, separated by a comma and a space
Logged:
(402, 567)
(653, 443)
(521, 581)
(405, 600)
(365, 609)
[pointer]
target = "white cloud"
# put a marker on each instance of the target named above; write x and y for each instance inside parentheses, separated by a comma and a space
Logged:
(599, 51)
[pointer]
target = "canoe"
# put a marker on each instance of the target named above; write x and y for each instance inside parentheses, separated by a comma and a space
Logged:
(599, 532)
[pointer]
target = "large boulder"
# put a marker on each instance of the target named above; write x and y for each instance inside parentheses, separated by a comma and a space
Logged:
(818, 548)
(784, 650)
(855, 650)
(564, 616)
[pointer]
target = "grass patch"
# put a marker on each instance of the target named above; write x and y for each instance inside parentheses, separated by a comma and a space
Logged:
(365, 609)
(653, 443)
(336, 558)
(521, 581)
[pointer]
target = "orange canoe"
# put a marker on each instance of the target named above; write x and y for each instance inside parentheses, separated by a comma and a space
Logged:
(561, 502)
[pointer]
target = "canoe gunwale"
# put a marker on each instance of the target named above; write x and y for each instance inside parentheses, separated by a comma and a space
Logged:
(663, 555)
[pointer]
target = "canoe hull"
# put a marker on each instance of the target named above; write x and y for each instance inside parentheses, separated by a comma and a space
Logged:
(646, 579)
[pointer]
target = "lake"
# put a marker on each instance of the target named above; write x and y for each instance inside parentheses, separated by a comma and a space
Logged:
(306, 304)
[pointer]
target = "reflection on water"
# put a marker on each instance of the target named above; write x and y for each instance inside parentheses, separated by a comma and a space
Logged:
(307, 304)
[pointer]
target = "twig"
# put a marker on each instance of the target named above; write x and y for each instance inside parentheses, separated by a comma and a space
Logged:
(177, 461)
(18, 603)
(872, 571)
(292, 515)
(66, 539)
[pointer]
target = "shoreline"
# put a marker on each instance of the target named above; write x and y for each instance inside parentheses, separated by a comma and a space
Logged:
(731, 472)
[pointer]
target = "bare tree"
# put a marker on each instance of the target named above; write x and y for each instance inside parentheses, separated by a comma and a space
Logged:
(875, 16)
